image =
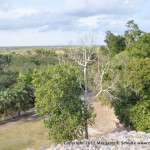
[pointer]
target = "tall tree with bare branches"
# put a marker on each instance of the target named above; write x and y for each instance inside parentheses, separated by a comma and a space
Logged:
(83, 55)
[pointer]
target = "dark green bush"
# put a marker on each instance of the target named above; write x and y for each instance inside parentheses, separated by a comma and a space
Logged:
(140, 116)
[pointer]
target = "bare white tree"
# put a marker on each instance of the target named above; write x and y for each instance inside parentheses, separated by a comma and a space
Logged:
(83, 55)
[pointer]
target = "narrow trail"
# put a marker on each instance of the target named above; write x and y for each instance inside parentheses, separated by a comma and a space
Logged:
(105, 121)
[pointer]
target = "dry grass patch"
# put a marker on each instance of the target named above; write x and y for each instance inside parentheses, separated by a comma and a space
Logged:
(22, 134)
(60, 52)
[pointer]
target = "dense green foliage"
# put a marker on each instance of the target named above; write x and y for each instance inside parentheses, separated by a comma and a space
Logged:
(18, 97)
(133, 86)
(59, 97)
(16, 70)
(115, 43)
(133, 67)
(140, 115)
(140, 48)
(118, 43)
(133, 33)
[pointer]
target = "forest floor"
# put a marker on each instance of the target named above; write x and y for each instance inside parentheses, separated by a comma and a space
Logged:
(29, 131)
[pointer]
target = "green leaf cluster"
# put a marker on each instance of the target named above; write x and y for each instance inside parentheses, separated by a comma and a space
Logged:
(18, 97)
(115, 43)
(141, 47)
(140, 116)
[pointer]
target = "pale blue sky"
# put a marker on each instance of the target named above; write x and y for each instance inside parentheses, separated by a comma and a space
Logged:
(56, 22)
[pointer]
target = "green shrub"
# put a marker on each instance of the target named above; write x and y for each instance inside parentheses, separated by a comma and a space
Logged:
(140, 116)
(57, 93)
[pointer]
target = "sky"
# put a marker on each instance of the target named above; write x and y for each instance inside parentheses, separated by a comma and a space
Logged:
(57, 22)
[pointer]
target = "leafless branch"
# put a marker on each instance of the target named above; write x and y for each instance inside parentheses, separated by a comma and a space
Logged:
(99, 81)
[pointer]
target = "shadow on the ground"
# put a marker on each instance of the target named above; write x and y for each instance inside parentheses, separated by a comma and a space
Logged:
(29, 115)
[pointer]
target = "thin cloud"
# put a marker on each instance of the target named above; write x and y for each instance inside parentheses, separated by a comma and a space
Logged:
(89, 7)
(73, 15)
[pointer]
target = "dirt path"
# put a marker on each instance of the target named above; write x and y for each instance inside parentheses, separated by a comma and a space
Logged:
(105, 121)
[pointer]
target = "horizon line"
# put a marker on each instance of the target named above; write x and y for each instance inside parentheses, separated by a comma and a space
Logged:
(17, 46)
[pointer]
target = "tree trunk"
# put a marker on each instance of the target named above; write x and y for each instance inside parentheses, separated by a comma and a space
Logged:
(86, 129)
(85, 103)
(85, 124)
(19, 111)
(13, 117)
